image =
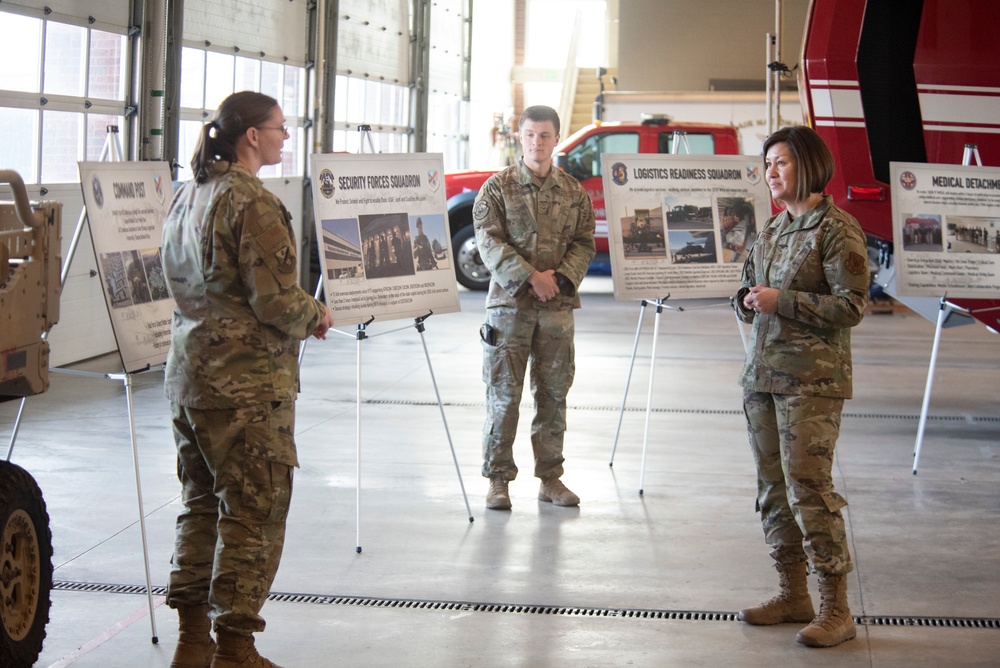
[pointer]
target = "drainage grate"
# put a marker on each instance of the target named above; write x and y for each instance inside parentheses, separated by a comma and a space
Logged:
(696, 411)
(522, 609)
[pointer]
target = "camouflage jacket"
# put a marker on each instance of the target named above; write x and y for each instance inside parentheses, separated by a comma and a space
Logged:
(523, 227)
(229, 258)
(820, 263)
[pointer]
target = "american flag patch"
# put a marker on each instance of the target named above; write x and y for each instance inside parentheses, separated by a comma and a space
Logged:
(272, 238)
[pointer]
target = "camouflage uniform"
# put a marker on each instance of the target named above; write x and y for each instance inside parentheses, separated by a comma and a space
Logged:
(798, 374)
(525, 224)
(232, 378)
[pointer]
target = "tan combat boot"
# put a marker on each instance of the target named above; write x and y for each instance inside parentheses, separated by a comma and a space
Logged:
(792, 604)
(498, 498)
(195, 647)
(236, 650)
(834, 624)
(553, 489)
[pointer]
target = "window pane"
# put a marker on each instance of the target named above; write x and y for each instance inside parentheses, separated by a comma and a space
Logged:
(397, 97)
(372, 115)
(247, 74)
(340, 141)
(64, 59)
(107, 65)
(355, 100)
(218, 78)
(621, 142)
(20, 42)
(18, 136)
(61, 149)
(340, 98)
(403, 115)
(270, 79)
(97, 134)
(193, 78)
(293, 103)
(699, 143)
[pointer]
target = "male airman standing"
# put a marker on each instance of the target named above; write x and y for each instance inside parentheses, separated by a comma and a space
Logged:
(535, 232)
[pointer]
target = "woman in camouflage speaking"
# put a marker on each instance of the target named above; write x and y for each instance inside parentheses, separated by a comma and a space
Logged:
(805, 284)
(232, 377)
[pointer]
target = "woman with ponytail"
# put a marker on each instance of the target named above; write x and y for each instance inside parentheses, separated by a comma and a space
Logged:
(232, 378)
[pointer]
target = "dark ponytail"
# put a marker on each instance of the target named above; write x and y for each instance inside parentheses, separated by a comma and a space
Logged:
(217, 140)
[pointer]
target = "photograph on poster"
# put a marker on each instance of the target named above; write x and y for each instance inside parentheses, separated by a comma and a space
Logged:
(136, 274)
(430, 242)
(642, 235)
(692, 246)
(689, 213)
(737, 227)
(973, 234)
(156, 281)
(385, 239)
(342, 249)
(116, 283)
(922, 232)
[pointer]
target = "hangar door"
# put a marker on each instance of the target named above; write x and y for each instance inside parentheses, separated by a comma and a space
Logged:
(402, 68)
(65, 78)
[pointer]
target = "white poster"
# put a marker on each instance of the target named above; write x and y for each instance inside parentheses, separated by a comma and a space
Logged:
(382, 227)
(946, 230)
(681, 225)
(126, 203)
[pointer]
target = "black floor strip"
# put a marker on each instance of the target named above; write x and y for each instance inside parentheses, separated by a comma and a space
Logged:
(525, 609)
(698, 411)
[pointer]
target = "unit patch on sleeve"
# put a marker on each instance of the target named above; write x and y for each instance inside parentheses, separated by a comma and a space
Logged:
(855, 263)
(285, 260)
(482, 209)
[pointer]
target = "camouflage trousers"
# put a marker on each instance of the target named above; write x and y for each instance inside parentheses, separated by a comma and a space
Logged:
(545, 337)
(235, 468)
(793, 439)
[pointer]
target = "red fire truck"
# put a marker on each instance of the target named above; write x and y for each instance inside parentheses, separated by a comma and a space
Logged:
(901, 82)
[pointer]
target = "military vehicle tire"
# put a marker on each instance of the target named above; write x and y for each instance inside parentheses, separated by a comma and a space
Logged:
(25, 567)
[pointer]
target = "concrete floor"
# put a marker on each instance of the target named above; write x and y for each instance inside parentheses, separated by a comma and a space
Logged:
(623, 580)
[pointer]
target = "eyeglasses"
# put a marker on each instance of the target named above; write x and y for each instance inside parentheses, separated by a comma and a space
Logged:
(283, 128)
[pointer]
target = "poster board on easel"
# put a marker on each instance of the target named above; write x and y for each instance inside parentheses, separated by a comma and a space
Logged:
(946, 243)
(681, 224)
(946, 230)
(126, 203)
(384, 239)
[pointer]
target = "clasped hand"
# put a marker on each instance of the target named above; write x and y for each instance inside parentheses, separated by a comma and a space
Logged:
(761, 299)
(543, 285)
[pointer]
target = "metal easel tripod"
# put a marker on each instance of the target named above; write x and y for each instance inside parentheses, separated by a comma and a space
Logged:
(361, 335)
(679, 138)
(947, 308)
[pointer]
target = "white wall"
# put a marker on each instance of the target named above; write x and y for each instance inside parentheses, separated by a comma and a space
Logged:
(681, 45)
